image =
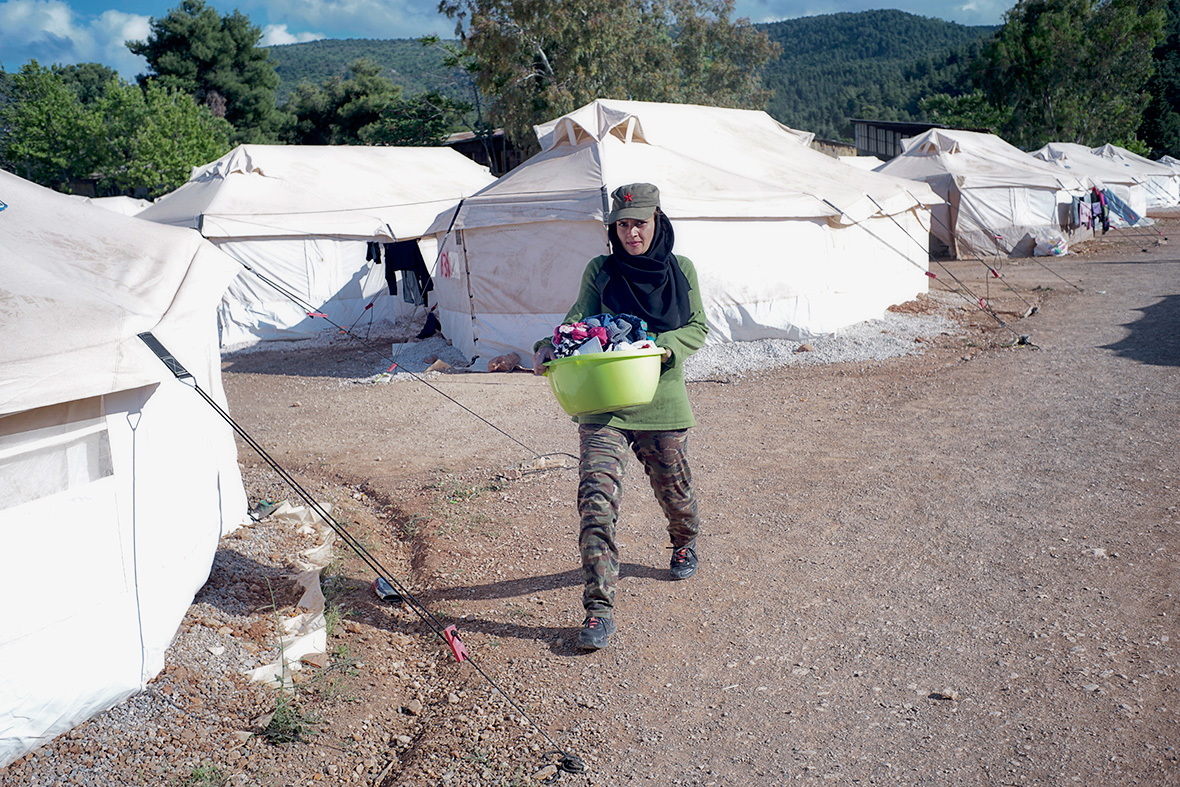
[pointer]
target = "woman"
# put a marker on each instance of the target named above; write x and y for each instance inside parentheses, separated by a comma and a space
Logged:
(640, 277)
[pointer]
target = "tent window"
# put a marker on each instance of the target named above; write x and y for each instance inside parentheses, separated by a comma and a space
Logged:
(50, 450)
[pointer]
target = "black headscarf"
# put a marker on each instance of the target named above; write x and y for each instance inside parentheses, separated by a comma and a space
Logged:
(650, 285)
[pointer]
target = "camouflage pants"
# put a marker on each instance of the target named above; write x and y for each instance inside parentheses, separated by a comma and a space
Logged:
(604, 452)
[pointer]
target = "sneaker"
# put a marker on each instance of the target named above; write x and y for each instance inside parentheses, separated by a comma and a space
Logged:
(684, 562)
(595, 632)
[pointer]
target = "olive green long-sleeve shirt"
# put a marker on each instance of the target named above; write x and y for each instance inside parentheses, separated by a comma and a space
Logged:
(669, 408)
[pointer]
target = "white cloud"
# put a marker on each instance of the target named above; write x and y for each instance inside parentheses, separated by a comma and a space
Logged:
(49, 32)
(966, 12)
(112, 32)
(355, 18)
(276, 35)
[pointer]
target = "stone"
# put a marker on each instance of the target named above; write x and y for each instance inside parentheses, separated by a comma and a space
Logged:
(546, 773)
(319, 660)
(504, 363)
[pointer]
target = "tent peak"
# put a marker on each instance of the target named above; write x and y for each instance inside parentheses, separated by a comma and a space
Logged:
(592, 123)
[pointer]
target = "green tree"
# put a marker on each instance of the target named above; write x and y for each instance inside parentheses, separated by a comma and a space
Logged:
(365, 108)
(46, 135)
(217, 60)
(537, 59)
(341, 110)
(1161, 119)
(87, 80)
(127, 139)
(471, 115)
(425, 120)
(155, 136)
(971, 110)
(1072, 70)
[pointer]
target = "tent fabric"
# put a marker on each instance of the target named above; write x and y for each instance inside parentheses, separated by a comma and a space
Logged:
(128, 474)
(1098, 172)
(862, 162)
(787, 242)
(300, 218)
(128, 206)
(1160, 181)
(998, 197)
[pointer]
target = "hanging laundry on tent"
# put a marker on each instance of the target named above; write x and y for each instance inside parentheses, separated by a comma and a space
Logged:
(1118, 208)
(407, 257)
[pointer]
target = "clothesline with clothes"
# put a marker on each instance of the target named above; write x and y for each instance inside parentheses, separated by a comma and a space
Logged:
(601, 333)
(403, 256)
(1103, 208)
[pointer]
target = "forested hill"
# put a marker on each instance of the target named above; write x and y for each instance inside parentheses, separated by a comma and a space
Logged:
(406, 62)
(875, 64)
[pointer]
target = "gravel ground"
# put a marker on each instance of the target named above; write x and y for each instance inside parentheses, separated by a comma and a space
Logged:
(897, 333)
(932, 557)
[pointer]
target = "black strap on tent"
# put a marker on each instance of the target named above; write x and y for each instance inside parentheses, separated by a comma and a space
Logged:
(566, 762)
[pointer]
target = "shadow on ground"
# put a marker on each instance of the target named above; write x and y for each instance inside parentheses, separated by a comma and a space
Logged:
(1155, 337)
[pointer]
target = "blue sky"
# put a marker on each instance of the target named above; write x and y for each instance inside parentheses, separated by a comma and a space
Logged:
(82, 31)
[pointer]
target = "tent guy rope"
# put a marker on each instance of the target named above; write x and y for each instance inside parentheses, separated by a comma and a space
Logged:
(536, 455)
(964, 289)
(566, 762)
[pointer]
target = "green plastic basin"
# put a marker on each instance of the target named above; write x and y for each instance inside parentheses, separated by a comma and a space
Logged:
(606, 381)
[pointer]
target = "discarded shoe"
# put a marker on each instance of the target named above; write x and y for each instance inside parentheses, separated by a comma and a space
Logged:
(684, 562)
(594, 633)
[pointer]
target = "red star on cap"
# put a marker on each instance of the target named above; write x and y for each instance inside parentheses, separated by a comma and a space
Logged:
(627, 197)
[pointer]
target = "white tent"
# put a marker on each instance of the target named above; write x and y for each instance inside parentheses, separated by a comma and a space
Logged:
(787, 242)
(998, 198)
(862, 162)
(128, 206)
(116, 479)
(1161, 182)
(1099, 172)
(300, 220)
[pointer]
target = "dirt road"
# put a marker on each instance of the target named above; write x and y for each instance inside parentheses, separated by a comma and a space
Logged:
(958, 568)
(955, 568)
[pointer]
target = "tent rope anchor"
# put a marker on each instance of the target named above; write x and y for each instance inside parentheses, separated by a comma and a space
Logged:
(568, 763)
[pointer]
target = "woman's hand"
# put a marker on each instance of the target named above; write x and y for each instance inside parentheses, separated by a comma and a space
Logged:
(540, 357)
(667, 356)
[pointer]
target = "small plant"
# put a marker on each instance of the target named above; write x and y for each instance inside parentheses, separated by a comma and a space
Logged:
(333, 614)
(204, 775)
(330, 682)
(412, 526)
(455, 492)
(287, 724)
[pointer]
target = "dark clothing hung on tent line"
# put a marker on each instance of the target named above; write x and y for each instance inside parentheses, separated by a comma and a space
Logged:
(403, 256)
